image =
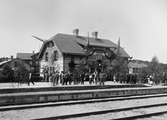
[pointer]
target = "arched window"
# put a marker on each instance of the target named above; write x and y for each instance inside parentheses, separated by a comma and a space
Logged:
(50, 44)
(55, 55)
(46, 56)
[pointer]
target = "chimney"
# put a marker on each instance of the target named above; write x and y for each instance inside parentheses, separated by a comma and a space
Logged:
(33, 52)
(11, 57)
(95, 34)
(76, 32)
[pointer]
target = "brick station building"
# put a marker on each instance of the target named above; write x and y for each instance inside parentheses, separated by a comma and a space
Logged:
(67, 52)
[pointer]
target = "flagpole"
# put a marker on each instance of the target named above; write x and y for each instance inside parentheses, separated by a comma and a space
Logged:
(42, 40)
(88, 40)
(118, 47)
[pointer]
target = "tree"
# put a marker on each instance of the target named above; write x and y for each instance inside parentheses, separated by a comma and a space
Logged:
(154, 65)
(144, 74)
(8, 73)
(21, 71)
(120, 68)
(155, 70)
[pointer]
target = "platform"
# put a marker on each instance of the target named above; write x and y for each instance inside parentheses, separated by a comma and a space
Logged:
(47, 86)
(28, 94)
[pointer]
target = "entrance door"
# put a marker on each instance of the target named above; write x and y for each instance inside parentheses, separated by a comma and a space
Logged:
(99, 67)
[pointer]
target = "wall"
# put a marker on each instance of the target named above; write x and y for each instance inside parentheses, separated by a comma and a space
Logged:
(67, 59)
(58, 64)
(82, 59)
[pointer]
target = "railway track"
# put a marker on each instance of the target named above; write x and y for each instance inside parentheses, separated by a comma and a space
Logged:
(119, 108)
(129, 113)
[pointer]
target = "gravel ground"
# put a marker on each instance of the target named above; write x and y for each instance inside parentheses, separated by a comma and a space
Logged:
(124, 114)
(158, 117)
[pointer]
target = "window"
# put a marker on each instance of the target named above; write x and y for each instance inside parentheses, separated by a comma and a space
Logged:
(55, 55)
(98, 56)
(50, 44)
(72, 58)
(46, 56)
(30, 62)
(15, 64)
(134, 70)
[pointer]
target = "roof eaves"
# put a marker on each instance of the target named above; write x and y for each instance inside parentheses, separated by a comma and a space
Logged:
(41, 50)
(81, 54)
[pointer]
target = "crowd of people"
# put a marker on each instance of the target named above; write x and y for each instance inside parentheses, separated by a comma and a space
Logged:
(75, 78)
(68, 78)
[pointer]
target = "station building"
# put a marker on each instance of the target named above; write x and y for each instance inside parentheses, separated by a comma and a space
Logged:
(67, 52)
(136, 66)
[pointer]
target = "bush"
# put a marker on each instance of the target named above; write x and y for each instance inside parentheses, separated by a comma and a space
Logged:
(7, 74)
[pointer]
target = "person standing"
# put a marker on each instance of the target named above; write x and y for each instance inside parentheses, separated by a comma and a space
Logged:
(82, 76)
(86, 77)
(114, 78)
(57, 77)
(62, 77)
(102, 77)
(30, 80)
(53, 78)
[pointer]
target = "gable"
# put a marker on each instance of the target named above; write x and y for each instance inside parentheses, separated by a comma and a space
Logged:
(50, 49)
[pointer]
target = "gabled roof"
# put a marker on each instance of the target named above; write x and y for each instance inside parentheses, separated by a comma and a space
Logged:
(24, 56)
(35, 55)
(83, 40)
(67, 44)
(138, 64)
(71, 44)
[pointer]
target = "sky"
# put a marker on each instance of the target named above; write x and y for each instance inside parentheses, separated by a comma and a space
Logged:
(140, 24)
